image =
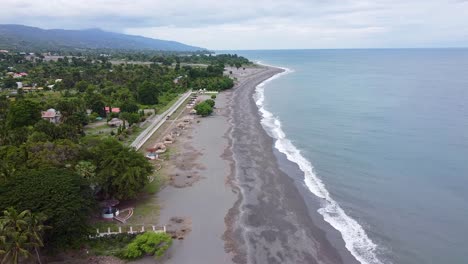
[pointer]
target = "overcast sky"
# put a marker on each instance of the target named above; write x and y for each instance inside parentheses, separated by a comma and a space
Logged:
(259, 24)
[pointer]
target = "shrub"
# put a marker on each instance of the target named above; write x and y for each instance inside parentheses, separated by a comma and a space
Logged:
(148, 243)
(210, 102)
(204, 109)
(213, 96)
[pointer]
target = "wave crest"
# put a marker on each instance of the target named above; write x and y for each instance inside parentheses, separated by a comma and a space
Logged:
(356, 239)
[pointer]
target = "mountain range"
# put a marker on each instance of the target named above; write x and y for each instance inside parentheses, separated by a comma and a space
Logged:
(19, 37)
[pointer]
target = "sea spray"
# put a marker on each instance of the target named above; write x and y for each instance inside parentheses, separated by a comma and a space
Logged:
(356, 239)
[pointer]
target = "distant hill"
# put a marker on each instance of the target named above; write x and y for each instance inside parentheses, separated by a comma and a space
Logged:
(19, 37)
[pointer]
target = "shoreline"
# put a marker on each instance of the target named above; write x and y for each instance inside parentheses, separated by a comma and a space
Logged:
(269, 206)
(239, 185)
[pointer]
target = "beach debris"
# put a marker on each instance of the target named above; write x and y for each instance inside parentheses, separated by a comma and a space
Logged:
(179, 227)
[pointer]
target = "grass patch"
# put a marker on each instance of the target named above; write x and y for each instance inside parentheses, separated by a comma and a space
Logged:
(109, 245)
(103, 225)
(146, 212)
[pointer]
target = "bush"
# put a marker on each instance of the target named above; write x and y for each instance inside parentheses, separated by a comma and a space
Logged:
(204, 109)
(148, 243)
(213, 96)
(210, 102)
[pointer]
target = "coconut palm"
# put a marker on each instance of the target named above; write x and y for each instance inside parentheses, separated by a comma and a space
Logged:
(19, 234)
(36, 230)
(14, 235)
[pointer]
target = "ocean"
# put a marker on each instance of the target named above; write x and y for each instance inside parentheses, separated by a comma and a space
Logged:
(380, 139)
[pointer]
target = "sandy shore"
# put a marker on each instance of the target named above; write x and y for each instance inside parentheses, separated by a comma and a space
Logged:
(205, 199)
(226, 183)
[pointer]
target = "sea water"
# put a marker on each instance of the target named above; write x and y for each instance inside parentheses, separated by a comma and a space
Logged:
(381, 137)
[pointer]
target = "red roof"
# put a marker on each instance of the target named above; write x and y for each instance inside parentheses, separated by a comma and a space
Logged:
(48, 114)
(114, 109)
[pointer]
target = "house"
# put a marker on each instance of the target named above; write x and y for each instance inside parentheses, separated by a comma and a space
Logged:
(113, 110)
(19, 75)
(51, 115)
(3, 51)
(19, 85)
(176, 80)
(115, 122)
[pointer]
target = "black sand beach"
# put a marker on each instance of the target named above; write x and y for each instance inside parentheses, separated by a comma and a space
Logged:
(270, 221)
(242, 208)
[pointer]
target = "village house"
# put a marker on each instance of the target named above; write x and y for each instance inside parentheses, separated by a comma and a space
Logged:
(51, 115)
(113, 109)
(19, 75)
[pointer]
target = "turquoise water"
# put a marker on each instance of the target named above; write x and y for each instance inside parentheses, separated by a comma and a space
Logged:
(386, 132)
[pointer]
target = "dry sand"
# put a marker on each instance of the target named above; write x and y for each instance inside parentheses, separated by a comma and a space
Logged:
(206, 201)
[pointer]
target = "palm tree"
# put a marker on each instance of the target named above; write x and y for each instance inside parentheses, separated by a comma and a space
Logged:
(14, 235)
(19, 234)
(36, 230)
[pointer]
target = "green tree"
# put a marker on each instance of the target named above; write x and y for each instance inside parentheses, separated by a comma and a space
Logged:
(129, 107)
(23, 113)
(203, 109)
(81, 86)
(210, 102)
(148, 93)
(12, 159)
(87, 170)
(21, 233)
(14, 236)
(122, 172)
(9, 82)
(60, 194)
(131, 118)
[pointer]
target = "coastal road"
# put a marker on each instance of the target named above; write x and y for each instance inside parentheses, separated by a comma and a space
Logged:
(158, 122)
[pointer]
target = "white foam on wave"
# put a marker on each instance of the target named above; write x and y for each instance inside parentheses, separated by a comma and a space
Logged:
(356, 239)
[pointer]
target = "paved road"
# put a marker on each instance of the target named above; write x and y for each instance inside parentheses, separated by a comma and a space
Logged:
(158, 122)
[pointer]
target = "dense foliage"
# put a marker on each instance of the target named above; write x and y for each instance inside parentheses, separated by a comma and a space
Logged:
(59, 194)
(205, 108)
(121, 171)
(149, 243)
(56, 169)
(21, 235)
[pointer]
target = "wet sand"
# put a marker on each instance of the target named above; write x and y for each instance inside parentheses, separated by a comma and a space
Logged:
(270, 222)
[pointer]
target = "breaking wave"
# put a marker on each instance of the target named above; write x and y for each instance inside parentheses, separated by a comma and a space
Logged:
(356, 239)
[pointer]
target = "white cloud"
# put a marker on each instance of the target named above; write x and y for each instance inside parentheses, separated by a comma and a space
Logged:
(244, 24)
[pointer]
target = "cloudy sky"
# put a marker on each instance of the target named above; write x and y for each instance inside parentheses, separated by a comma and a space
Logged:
(259, 24)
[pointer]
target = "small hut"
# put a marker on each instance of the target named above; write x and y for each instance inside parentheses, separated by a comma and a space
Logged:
(168, 139)
(188, 120)
(159, 148)
(181, 125)
(175, 132)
